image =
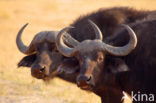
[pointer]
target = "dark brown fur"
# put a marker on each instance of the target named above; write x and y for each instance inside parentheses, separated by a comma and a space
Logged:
(138, 74)
(108, 20)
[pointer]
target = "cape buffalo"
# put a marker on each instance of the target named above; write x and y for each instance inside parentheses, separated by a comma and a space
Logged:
(108, 20)
(135, 65)
(42, 53)
(43, 57)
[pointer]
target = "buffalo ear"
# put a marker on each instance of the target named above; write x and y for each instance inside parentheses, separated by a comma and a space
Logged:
(27, 61)
(68, 66)
(117, 66)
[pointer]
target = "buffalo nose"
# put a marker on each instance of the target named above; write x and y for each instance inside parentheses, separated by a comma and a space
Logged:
(83, 80)
(38, 71)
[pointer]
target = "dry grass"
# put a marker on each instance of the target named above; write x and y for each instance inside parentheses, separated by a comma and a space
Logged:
(17, 85)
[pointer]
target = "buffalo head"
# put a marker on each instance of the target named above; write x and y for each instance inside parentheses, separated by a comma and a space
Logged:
(91, 54)
(42, 55)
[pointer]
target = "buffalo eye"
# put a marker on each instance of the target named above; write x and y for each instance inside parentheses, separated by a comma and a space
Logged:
(100, 59)
(36, 50)
(52, 48)
(56, 50)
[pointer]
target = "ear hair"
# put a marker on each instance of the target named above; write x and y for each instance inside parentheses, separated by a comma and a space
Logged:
(68, 66)
(117, 65)
(27, 61)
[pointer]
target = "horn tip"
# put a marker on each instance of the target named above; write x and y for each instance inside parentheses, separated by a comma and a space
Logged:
(90, 21)
(71, 27)
(124, 25)
(26, 24)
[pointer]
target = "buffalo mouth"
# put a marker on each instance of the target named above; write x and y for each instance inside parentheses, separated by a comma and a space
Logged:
(86, 87)
(39, 76)
(87, 84)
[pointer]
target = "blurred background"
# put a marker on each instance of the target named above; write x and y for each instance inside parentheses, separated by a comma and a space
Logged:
(16, 84)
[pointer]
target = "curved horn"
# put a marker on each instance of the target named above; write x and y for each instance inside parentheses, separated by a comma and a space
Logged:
(64, 49)
(70, 40)
(125, 50)
(97, 30)
(23, 48)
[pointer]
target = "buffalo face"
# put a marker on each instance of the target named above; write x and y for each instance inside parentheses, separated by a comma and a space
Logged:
(44, 62)
(90, 64)
(42, 55)
(91, 54)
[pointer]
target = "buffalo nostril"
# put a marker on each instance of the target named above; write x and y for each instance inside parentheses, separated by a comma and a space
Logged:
(42, 69)
(89, 79)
